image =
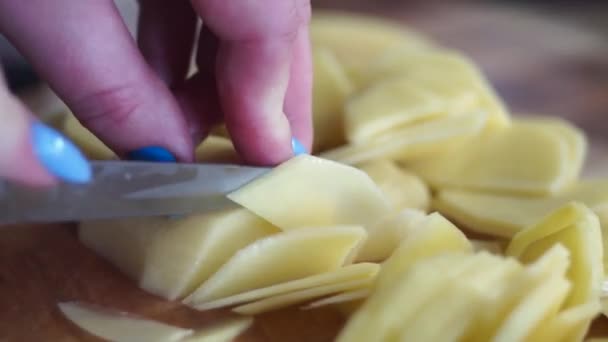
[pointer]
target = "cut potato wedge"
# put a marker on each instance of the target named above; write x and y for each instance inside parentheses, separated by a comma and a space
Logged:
(345, 297)
(216, 149)
(283, 257)
(412, 142)
(90, 145)
(119, 326)
(403, 188)
(309, 191)
(343, 274)
(388, 104)
(331, 87)
(171, 257)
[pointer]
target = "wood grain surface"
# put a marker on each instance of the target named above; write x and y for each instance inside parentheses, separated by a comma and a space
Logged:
(538, 65)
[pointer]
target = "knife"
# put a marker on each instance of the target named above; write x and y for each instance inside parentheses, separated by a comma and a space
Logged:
(121, 189)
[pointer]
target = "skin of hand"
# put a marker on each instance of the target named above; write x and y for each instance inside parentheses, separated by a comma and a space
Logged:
(254, 73)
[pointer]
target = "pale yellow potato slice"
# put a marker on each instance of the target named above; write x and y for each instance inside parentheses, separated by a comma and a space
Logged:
(387, 104)
(577, 228)
(569, 325)
(341, 298)
(420, 141)
(171, 257)
(331, 87)
(119, 326)
(216, 149)
(90, 145)
(433, 236)
(310, 191)
(223, 332)
(525, 158)
(346, 273)
(386, 235)
(296, 297)
(283, 257)
(403, 188)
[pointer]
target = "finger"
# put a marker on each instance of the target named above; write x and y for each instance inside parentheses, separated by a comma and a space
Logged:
(166, 36)
(85, 52)
(32, 153)
(253, 66)
(298, 100)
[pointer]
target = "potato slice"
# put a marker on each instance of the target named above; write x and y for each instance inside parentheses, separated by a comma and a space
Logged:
(403, 188)
(341, 298)
(388, 104)
(296, 297)
(283, 257)
(223, 332)
(91, 146)
(331, 86)
(386, 235)
(577, 228)
(412, 142)
(433, 236)
(171, 257)
(216, 149)
(343, 274)
(309, 191)
(120, 326)
(526, 158)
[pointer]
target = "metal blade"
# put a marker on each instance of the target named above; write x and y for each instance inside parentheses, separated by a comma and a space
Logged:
(128, 189)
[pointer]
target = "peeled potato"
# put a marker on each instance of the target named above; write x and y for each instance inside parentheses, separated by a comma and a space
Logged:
(171, 257)
(403, 188)
(344, 297)
(310, 191)
(91, 146)
(422, 140)
(119, 326)
(526, 158)
(216, 149)
(286, 256)
(343, 274)
(577, 228)
(387, 104)
(331, 86)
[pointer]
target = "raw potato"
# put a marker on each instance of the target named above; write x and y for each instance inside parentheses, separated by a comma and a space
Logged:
(346, 273)
(309, 191)
(403, 188)
(331, 86)
(525, 158)
(283, 257)
(344, 297)
(223, 332)
(216, 149)
(119, 326)
(91, 146)
(577, 228)
(388, 104)
(171, 257)
(386, 235)
(412, 142)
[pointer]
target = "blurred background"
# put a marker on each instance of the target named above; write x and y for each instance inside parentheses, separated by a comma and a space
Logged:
(548, 57)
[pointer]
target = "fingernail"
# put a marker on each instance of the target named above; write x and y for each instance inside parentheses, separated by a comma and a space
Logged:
(297, 147)
(152, 153)
(59, 155)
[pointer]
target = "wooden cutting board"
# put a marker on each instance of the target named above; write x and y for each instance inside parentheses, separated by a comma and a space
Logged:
(534, 69)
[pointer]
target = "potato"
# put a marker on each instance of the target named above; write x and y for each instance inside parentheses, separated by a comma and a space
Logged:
(279, 258)
(526, 158)
(171, 257)
(331, 86)
(309, 191)
(119, 326)
(412, 142)
(91, 146)
(386, 105)
(403, 188)
(343, 274)
(216, 149)
(344, 297)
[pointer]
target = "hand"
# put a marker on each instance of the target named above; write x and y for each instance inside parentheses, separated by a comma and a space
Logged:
(254, 73)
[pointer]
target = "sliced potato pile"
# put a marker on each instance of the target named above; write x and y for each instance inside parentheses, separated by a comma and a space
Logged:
(427, 211)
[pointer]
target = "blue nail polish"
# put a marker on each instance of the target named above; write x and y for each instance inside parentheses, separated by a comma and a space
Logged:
(152, 153)
(297, 147)
(59, 155)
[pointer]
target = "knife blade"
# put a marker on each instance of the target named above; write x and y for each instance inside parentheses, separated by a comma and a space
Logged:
(122, 189)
